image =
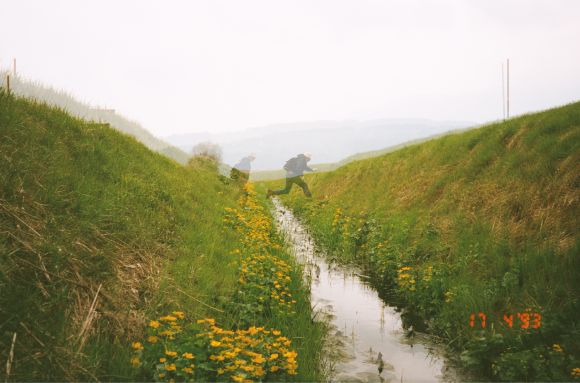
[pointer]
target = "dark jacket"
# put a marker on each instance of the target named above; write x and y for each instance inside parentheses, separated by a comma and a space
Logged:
(297, 166)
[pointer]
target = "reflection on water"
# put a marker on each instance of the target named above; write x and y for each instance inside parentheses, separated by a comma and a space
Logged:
(367, 342)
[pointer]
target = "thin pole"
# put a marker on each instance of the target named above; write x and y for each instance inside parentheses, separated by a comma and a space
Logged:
(508, 88)
(14, 67)
(8, 83)
(502, 93)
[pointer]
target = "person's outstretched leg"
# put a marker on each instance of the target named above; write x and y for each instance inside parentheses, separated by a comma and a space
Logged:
(286, 190)
(300, 182)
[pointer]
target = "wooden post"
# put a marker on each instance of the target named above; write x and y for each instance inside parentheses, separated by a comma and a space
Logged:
(8, 83)
(502, 94)
(508, 88)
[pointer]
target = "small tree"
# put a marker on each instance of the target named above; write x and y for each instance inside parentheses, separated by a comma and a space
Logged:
(209, 150)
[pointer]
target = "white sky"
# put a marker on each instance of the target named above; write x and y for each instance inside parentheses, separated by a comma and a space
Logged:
(182, 66)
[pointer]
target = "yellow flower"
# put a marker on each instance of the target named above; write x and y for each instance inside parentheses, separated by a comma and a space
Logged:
(168, 318)
(291, 354)
(449, 296)
(188, 370)
(576, 372)
(259, 371)
(171, 367)
(188, 355)
(152, 339)
(276, 332)
(179, 314)
(162, 375)
(220, 371)
(135, 361)
(215, 343)
(137, 346)
(238, 378)
(273, 356)
(274, 368)
(171, 353)
(162, 360)
(557, 348)
(259, 359)
(154, 324)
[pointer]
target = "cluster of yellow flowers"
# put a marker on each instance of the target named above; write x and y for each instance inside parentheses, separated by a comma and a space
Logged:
(171, 360)
(240, 355)
(207, 352)
(575, 372)
(341, 223)
(428, 274)
(268, 280)
(406, 279)
(264, 278)
(337, 218)
(243, 355)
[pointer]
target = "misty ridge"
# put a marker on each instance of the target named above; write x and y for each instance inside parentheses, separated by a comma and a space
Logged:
(335, 142)
(328, 141)
(61, 99)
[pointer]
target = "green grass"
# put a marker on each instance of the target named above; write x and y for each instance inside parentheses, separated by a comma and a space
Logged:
(83, 206)
(494, 211)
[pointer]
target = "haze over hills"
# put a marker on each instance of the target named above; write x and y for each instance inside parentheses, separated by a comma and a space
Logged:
(51, 96)
(328, 141)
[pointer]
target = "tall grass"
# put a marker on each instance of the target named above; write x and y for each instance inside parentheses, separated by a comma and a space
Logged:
(487, 220)
(98, 234)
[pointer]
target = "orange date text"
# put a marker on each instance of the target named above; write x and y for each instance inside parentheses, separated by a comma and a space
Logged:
(524, 320)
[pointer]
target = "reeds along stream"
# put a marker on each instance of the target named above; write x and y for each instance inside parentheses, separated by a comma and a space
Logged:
(366, 341)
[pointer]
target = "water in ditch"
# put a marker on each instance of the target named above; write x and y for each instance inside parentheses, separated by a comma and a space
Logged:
(366, 341)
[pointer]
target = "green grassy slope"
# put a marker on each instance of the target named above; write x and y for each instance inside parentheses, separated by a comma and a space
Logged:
(98, 234)
(482, 221)
(42, 93)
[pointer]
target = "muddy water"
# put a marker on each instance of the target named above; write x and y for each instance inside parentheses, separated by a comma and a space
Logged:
(366, 335)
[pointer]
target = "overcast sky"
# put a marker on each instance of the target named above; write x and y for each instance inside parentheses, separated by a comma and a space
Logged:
(182, 66)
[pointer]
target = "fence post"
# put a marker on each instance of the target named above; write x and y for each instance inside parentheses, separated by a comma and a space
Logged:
(8, 83)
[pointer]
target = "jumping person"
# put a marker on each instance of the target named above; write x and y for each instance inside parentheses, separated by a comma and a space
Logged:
(295, 168)
(241, 170)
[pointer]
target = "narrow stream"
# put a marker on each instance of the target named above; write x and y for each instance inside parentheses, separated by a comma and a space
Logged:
(366, 335)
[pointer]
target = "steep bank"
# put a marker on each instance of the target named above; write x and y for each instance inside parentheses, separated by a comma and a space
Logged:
(482, 223)
(98, 235)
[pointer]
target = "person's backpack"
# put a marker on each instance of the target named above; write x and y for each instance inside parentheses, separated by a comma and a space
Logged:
(290, 165)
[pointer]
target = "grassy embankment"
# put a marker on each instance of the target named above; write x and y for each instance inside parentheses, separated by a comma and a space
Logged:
(98, 235)
(480, 222)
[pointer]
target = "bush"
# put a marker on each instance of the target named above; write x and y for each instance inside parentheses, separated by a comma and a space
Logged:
(209, 150)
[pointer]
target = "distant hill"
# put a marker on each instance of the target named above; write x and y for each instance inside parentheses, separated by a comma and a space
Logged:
(328, 141)
(79, 109)
(265, 175)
